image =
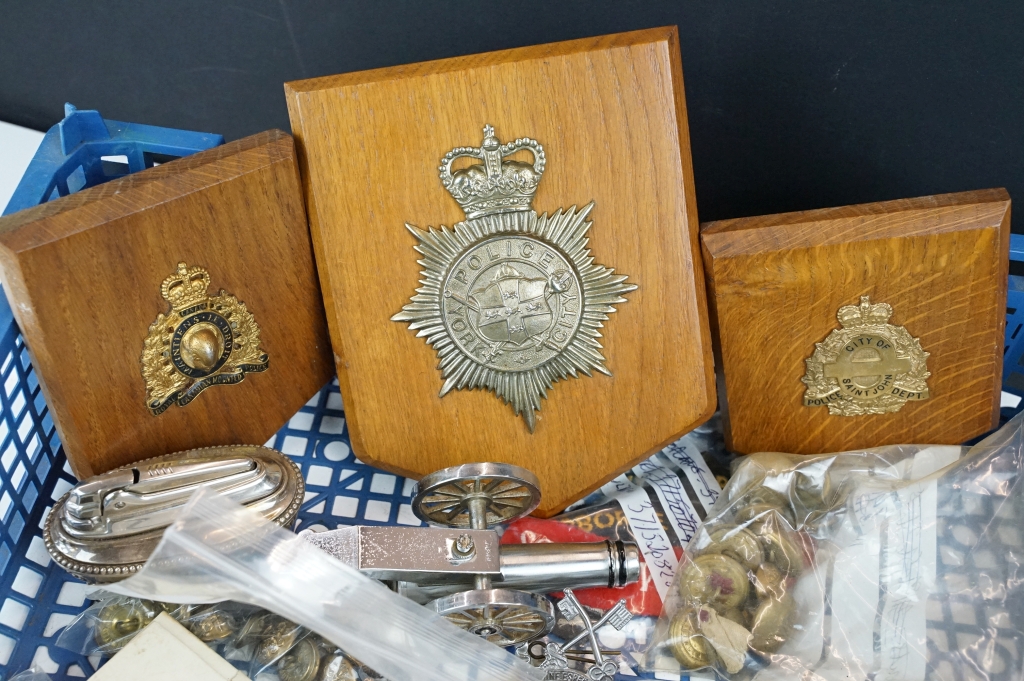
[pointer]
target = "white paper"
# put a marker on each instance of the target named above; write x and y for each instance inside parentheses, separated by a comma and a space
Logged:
(650, 535)
(673, 497)
(687, 458)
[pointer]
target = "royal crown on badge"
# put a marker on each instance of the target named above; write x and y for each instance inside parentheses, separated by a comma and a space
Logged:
(511, 301)
(203, 341)
(497, 186)
(867, 367)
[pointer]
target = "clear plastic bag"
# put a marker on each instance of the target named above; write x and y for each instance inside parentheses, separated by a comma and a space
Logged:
(217, 550)
(106, 626)
(899, 563)
(31, 674)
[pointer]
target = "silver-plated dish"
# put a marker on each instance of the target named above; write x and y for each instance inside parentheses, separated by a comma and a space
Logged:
(106, 527)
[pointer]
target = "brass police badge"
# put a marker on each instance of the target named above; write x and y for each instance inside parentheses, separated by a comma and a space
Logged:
(511, 301)
(867, 367)
(204, 340)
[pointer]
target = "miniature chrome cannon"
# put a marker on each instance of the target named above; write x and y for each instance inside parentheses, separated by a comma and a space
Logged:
(458, 567)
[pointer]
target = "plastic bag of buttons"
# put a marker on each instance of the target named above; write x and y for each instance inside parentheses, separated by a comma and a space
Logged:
(106, 626)
(896, 563)
(265, 645)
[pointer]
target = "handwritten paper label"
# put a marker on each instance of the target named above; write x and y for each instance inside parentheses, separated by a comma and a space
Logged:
(650, 535)
(684, 456)
(672, 495)
(885, 571)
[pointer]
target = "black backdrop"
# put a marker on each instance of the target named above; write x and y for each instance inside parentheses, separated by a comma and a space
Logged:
(793, 104)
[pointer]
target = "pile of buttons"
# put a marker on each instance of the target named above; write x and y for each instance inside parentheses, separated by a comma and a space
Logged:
(735, 595)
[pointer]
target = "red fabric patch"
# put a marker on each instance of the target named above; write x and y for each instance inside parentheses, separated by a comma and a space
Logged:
(723, 584)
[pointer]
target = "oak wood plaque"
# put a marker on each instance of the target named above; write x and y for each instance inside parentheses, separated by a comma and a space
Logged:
(174, 308)
(861, 326)
(602, 120)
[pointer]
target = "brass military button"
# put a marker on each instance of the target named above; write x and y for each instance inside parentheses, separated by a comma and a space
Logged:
(773, 463)
(116, 622)
(686, 643)
(301, 663)
(739, 544)
(772, 624)
(766, 495)
(808, 488)
(782, 550)
(717, 579)
(337, 668)
(278, 639)
(769, 581)
(255, 627)
(213, 625)
(759, 515)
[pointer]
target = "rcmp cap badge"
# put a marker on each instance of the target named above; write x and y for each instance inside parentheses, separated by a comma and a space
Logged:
(867, 367)
(511, 301)
(204, 340)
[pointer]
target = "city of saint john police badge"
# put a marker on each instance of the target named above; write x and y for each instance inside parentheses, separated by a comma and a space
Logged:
(868, 367)
(511, 301)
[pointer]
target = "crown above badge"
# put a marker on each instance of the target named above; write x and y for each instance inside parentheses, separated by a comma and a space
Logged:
(865, 314)
(496, 185)
(186, 287)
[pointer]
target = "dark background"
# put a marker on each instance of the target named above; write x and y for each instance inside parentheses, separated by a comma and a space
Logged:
(793, 105)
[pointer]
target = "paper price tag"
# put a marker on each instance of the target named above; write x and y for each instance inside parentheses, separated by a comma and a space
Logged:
(674, 500)
(650, 535)
(690, 461)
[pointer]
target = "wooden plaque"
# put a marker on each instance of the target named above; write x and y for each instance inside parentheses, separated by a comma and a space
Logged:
(84, 275)
(777, 283)
(611, 117)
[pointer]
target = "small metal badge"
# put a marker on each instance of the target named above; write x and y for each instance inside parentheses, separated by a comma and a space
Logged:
(867, 367)
(204, 340)
(511, 301)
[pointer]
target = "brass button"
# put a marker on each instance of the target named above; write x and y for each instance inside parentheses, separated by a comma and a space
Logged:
(686, 642)
(782, 550)
(773, 463)
(336, 667)
(117, 622)
(255, 627)
(739, 544)
(769, 581)
(278, 639)
(213, 625)
(301, 663)
(760, 514)
(772, 624)
(715, 579)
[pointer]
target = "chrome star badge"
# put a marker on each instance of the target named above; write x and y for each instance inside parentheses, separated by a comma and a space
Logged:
(511, 301)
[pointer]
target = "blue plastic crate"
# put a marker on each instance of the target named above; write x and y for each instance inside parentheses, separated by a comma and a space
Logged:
(1013, 351)
(37, 598)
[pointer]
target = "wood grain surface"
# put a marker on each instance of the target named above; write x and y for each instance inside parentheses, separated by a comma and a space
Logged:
(611, 116)
(776, 282)
(83, 275)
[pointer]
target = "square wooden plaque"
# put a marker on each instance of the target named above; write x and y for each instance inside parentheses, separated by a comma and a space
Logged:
(611, 117)
(84, 274)
(777, 282)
